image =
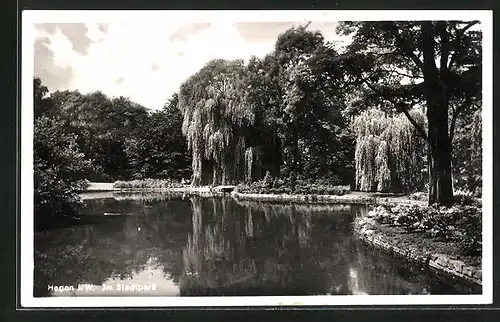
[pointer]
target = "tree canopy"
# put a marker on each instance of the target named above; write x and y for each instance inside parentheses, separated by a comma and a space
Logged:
(281, 114)
(94, 137)
(437, 64)
(400, 98)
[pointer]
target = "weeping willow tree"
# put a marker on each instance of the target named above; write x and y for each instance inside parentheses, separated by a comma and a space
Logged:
(389, 154)
(215, 122)
(280, 114)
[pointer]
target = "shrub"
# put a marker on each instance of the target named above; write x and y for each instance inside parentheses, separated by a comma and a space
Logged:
(280, 186)
(461, 224)
(471, 238)
(422, 196)
(268, 180)
(147, 184)
(465, 198)
(59, 172)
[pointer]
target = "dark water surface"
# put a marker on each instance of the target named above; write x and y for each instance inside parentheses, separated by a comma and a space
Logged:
(173, 245)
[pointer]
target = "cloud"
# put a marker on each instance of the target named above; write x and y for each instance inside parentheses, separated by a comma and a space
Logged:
(155, 67)
(103, 27)
(56, 47)
(75, 32)
(146, 61)
(260, 31)
(187, 30)
(53, 76)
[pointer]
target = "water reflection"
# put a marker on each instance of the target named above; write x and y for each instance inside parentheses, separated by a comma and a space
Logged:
(113, 247)
(263, 249)
(150, 280)
(193, 246)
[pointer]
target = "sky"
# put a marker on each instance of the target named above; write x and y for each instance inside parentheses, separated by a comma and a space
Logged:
(148, 60)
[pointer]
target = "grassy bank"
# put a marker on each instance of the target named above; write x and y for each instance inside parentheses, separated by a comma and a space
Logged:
(445, 239)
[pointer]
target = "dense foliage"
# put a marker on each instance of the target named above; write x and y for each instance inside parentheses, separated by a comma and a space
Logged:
(460, 223)
(436, 64)
(80, 137)
(59, 165)
(307, 113)
(467, 157)
(280, 114)
(270, 185)
(156, 148)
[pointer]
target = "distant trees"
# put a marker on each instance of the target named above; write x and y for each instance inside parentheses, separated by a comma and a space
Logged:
(122, 139)
(157, 148)
(101, 125)
(94, 137)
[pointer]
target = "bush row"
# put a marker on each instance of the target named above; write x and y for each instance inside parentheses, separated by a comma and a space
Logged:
(148, 184)
(270, 185)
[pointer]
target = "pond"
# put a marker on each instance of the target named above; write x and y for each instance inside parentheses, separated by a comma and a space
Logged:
(178, 245)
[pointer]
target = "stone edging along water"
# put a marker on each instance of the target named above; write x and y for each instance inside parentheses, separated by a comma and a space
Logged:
(343, 199)
(349, 198)
(366, 231)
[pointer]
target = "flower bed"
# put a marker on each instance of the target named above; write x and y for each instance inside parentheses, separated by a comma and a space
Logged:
(446, 239)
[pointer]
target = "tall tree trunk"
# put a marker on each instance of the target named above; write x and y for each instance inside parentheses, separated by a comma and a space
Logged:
(439, 151)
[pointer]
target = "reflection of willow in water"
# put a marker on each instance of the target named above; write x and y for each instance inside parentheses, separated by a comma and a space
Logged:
(208, 245)
(264, 249)
(282, 208)
(219, 246)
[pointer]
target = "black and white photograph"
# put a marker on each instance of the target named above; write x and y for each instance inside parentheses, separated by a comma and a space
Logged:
(256, 158)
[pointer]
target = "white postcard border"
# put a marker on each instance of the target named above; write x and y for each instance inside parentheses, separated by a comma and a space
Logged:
(29, 18)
